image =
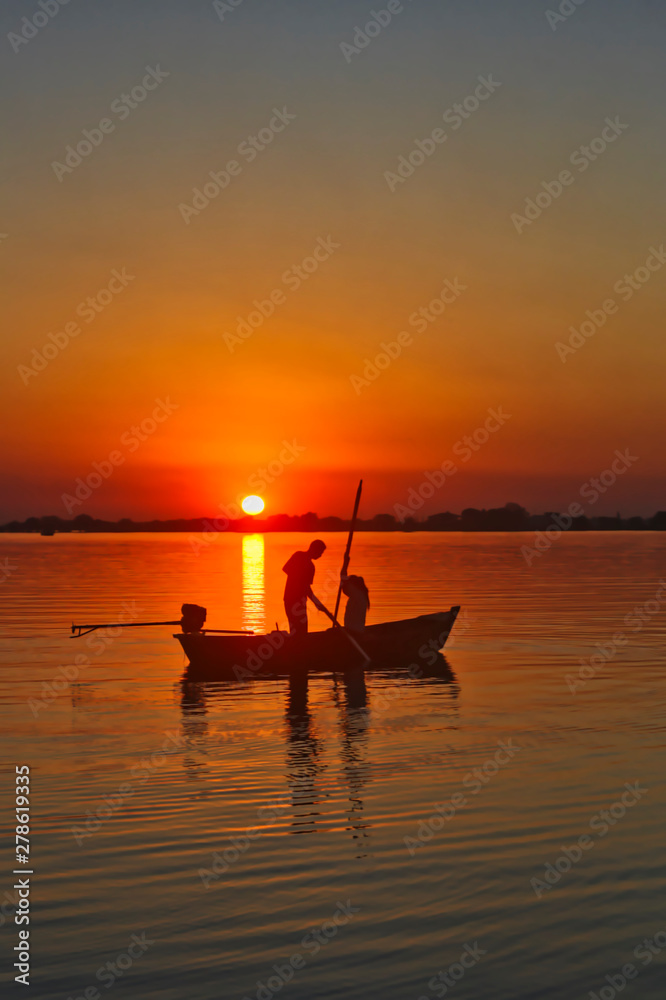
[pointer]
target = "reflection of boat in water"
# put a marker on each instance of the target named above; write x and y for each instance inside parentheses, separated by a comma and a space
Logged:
(436, 669)
(390, 644)
(327, 778)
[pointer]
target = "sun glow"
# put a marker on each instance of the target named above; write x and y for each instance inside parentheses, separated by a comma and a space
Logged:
(253, 505)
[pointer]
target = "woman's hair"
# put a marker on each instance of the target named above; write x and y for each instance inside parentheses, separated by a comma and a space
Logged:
(359, 583)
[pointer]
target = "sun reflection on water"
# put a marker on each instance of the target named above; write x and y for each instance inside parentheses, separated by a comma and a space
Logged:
(254, 613)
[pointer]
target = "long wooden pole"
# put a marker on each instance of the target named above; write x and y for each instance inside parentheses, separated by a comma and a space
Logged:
(345, 561)
(84, 629)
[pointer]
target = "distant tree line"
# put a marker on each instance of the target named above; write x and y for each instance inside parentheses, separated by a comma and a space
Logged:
(511, 517)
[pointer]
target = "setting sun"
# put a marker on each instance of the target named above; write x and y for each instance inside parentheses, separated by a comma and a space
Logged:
(253, 505)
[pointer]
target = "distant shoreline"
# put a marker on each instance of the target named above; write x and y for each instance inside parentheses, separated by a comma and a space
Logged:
(258, 530)
(512, 517)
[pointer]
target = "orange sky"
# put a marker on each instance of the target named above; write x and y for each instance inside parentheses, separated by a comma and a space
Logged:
(321, 181)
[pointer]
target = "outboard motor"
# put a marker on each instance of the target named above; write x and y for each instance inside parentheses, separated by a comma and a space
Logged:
(193, 618)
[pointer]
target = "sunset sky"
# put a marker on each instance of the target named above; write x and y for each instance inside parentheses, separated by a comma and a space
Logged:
(386, 246)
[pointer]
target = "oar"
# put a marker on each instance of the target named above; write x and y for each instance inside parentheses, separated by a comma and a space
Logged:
(345, 561)
(84, 629)
(348, 634)
(192, 620)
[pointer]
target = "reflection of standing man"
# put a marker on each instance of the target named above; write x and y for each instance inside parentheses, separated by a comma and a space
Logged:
(300, 574)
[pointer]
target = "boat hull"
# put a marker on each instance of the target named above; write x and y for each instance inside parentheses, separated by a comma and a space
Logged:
(403, 643)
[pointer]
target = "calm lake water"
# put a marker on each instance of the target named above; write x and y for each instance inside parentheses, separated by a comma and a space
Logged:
(350, 869)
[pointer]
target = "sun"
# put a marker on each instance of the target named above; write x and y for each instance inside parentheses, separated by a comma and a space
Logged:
(253, 505)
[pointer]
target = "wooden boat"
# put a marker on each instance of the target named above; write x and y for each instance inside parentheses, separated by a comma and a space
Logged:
(234, 654)
(412, 641)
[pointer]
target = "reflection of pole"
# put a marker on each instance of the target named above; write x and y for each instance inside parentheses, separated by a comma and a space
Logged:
(357, 770)
(253, 582)
(345, 561)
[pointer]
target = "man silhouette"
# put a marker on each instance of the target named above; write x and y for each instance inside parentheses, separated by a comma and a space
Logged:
(298, 588)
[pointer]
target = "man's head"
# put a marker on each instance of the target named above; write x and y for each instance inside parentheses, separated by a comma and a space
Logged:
(317, 549)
